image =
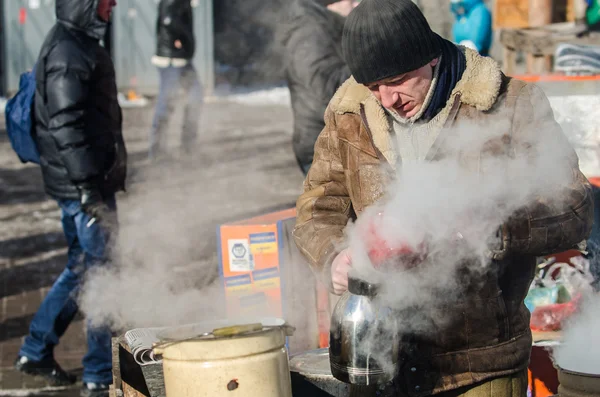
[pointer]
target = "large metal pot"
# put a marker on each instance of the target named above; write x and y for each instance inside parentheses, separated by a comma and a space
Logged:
(250, 360)
(576, 384)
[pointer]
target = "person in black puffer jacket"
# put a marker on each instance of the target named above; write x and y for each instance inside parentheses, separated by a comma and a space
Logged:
(83, 161)
(314, 67)
(175, 47)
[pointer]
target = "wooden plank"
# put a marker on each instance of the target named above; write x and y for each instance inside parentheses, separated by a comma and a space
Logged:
(539, 65)
(570, 17)
(545, 40)
(509, 61)
(129, 391)
(155, 380)
(132, 377)
(516, 14)
(511, 14)
(117, 385)
(134, 380)
(540, 14)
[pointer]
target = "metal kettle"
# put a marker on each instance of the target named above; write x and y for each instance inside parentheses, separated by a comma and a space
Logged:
(363, 343)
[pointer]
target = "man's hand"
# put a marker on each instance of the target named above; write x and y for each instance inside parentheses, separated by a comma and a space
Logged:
(339, 271)
(93, 204)
(178, 44)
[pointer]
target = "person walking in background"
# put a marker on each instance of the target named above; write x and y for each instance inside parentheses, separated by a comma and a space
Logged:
(83, 162)
(473, 25)
(175, 47)
(314, 67)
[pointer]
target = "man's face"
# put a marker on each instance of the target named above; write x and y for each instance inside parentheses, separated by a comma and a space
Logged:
(405, 94)
(105, 9)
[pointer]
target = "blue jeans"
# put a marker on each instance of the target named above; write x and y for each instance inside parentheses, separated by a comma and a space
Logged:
(171, 80)
(87, 248)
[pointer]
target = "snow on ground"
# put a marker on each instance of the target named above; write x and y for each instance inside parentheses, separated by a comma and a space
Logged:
(256, 96)
(579, 117)
(45, 392)
(584, 109)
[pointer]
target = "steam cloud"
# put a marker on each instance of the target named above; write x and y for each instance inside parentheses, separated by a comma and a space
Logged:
(157, 276)
(457, 207)
(580, 351)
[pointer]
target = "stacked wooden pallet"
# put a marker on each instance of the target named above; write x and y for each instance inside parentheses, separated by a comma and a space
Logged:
(536, 28)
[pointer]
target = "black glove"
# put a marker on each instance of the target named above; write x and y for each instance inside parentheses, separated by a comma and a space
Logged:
(93, 204)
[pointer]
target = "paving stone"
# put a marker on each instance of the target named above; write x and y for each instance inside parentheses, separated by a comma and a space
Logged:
(10, 350)
(11, 379)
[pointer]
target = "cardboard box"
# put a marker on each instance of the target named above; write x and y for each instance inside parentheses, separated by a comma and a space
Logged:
(263, 274)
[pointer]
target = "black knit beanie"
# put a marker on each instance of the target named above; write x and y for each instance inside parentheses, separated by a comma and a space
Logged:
(385, 38)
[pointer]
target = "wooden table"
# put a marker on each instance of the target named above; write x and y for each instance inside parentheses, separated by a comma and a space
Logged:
(540, 44)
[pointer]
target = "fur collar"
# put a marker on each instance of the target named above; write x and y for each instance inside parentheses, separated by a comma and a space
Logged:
(479, 87)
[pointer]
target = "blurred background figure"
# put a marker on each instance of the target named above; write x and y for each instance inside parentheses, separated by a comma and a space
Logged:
(592, 14)
(175, 47)
(314, 66)
(473, 25)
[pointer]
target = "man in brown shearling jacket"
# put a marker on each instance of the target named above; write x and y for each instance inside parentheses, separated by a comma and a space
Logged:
(409, 87)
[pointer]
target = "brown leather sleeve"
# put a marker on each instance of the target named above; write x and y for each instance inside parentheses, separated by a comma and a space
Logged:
(324, 207)
(562, 218)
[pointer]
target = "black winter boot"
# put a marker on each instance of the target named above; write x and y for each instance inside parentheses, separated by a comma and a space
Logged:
(48, 369)
(94, 390)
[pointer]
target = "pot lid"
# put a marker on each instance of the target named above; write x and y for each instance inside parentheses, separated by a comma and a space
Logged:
(579, 374)
(311, 363)
(225, 343)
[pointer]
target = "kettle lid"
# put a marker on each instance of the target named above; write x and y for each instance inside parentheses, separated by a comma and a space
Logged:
(362, 287)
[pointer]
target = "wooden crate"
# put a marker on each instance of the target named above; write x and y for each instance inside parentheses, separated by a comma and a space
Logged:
(511, 14)
(514, 14)
(570, 11)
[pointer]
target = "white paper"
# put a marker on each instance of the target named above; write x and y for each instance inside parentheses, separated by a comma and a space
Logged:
(239, 255)
(140, 342)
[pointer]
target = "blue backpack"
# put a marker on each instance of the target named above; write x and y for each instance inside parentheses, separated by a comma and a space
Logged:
(20, 119)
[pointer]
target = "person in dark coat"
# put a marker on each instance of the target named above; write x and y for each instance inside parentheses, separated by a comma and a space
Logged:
(175, 47)
(83, 162)
(314, 67)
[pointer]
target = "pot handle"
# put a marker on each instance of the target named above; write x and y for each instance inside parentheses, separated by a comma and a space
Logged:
(288, 329)
(159, 349)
